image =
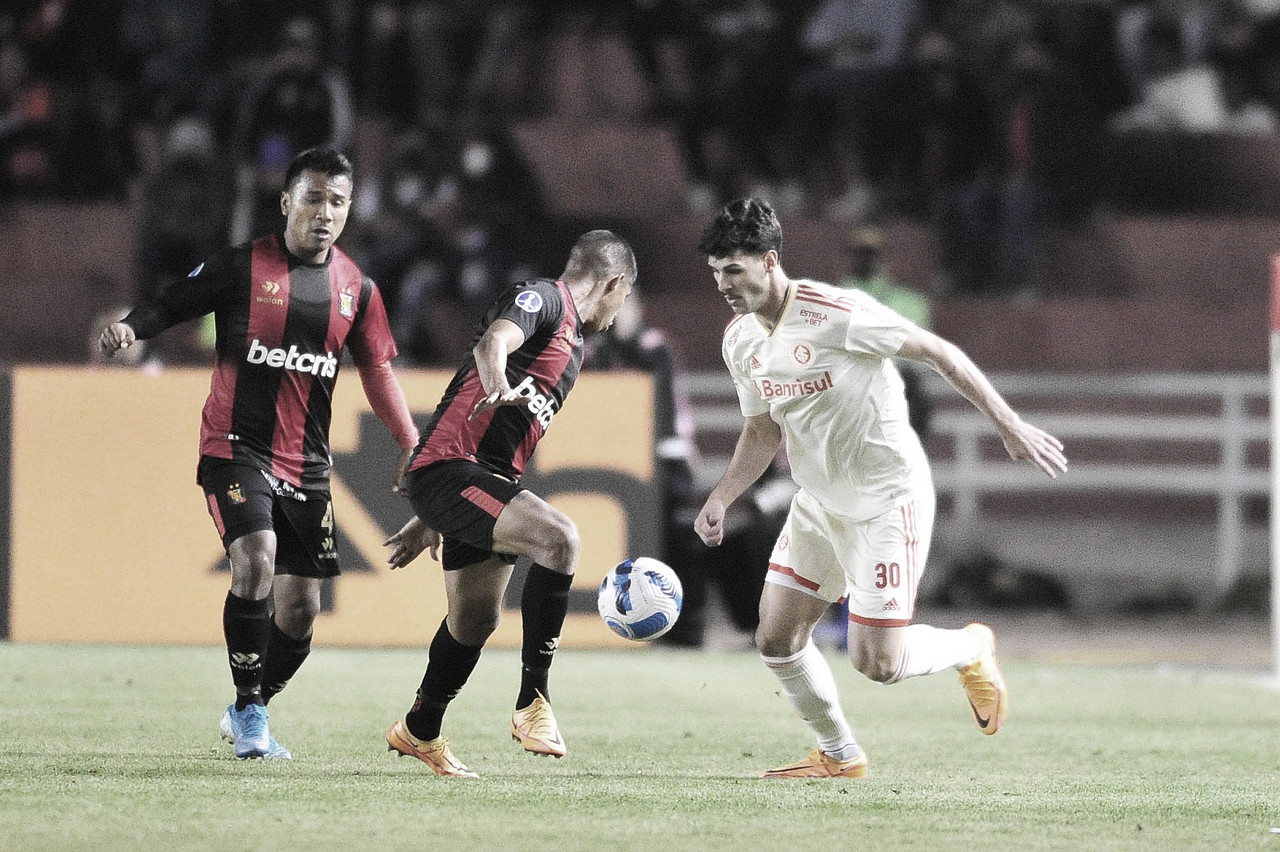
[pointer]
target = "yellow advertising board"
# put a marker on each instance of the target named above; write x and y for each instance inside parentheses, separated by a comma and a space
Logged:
(111, 542)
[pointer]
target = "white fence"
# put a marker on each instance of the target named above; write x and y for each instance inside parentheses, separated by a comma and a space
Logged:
(1226, 418)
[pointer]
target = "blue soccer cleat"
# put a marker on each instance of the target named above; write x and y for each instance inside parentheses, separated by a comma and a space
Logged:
(247, 731)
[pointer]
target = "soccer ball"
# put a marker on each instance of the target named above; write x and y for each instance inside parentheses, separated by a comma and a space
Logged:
(640, 598)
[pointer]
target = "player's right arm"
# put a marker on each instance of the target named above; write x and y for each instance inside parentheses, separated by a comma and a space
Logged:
(190, 297)
(115, 337)
(757, 445)
(499, 340)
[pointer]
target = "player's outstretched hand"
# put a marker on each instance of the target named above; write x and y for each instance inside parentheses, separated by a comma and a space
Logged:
(412, 538)
(115, 337)
(1025, 442)
(497, 399)
(710, 523)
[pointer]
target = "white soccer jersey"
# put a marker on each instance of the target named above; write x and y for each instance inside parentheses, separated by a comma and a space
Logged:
(825, 375)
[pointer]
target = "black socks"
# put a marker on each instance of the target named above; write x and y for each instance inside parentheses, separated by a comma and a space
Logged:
(449, 664)
(543, 605)
(247, 628)
(285, 656)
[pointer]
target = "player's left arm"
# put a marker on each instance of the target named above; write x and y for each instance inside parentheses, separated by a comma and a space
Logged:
(386, 398)
(372, 348)
(1022, 440)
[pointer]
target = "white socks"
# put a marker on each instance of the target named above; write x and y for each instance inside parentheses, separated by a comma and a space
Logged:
(928, 650)
(809, 685)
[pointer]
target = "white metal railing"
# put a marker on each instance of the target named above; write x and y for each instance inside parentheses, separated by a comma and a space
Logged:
(967, 475)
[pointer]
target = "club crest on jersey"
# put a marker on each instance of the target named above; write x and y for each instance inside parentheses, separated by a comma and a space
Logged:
(235, 493)
(802, 353)
(346, 305)
(530, 301)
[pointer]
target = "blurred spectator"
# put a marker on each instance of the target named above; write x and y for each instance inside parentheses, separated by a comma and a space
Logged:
(435, 63)
(1235, 60)
(27, 143)
(1082, 37)
(1264, 61)
(658, 31)
(1047, 143)
(866, 251)
(741, 58)
(983, 31)
(1178, 91)
(630, 343)
(182, 220)
(71, 49)
(167, 43)
(854, 50)
(1219, 88)
(1189, 27)
(936, 148)
(447, 222)
(298, 103)
(989, 171)
(403, 68)
(398, 239)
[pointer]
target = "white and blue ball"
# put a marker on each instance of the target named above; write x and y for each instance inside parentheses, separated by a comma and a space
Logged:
(640, 598)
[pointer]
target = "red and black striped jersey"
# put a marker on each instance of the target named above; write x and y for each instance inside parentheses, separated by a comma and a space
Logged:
(281, 328)
(543, 368)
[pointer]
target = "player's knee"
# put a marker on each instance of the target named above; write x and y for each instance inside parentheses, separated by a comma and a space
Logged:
(562, 546)
(252, 575)
(874, 663)
(296, 617)
(776, 644)
(475, 628)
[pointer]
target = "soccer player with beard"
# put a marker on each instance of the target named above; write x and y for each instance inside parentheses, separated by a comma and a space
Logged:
(464, 484)
(812, 364)
(285, 306)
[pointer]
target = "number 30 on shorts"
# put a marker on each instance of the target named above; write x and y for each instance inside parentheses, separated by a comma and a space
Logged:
(887, 574)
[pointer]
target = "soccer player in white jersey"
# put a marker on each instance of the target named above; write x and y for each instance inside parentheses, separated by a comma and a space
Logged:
(813, 365)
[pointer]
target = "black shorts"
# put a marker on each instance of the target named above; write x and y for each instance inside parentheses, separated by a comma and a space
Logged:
(461, 500)
(242, 499)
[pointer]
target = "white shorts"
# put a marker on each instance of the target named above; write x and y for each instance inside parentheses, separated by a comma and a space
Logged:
(876, 563)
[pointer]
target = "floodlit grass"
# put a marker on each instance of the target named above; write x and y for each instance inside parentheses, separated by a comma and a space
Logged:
(109, 748)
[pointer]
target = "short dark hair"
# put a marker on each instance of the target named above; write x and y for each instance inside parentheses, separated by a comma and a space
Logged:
(601, 254)
(325, 160)
(747, 224)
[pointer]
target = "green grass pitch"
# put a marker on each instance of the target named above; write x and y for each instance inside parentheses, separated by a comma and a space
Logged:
(105, 748)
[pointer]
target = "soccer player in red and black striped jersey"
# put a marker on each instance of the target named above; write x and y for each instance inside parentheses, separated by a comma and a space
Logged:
(285, 306)
(464, 484)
